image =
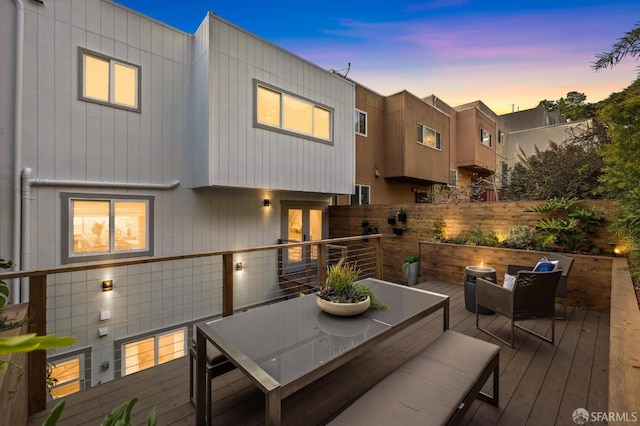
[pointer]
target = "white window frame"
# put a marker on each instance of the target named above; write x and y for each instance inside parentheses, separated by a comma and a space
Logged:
(68, 256)
(281, 127)
(358, 115)
(112, 62)
(420, 137)
(357, 195)
(156, 338)
(501, 137)
(486, 138)
(453, 178)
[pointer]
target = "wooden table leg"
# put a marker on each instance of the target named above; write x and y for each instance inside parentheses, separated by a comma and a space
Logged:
(201, 377)
(273, 406)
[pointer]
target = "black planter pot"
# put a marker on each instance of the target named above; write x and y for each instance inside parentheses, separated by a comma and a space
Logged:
(391, 221)
(402, 217)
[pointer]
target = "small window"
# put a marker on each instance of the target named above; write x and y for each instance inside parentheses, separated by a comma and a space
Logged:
(429, 137)
(361, 123)
(154, 350)
(485, 138)
(501, 138)
(361, 196)
(453, 177)
(108, 81)
(97, 226)
(505, 174)
(291, 114)
(66, 376)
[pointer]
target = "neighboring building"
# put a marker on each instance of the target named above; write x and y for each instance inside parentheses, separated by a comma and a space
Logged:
(538, 128)
(407, 146)
(402, 148)
(492, 131)
(137, 139)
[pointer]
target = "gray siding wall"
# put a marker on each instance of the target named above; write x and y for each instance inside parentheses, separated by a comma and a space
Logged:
(7, 85)
(240, 155)
(69, 139)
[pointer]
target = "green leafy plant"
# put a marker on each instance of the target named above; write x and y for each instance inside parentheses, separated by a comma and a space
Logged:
(4, 287)
(120, 416)
(342, 288)
(408, 261)
(521, 237)
(475, 237)
(493, 239)
(411, 259)
(567, 226)
(438, 226)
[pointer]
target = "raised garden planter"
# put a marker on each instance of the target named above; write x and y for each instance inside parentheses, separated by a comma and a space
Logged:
(589, 284)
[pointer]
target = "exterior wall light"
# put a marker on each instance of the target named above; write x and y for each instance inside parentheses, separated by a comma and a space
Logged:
(266, 202)
(238, 266)
(107, 285)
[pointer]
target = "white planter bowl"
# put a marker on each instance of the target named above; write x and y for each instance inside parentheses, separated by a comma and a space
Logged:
(343, 309)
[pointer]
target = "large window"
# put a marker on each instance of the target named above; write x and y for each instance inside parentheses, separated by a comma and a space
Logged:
(109, 81)
(99, 226)
(361, 196)
(361, 123)
(153, 350)
(429, 137)
(292, 114)
(485, 138)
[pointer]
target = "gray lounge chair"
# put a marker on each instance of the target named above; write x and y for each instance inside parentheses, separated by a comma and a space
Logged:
(564, 264)
(533, 296)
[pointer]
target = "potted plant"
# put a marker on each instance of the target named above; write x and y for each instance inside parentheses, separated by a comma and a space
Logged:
(402, 216)
(391, 218)
(400, 230)
(342, 295)
(410, 269)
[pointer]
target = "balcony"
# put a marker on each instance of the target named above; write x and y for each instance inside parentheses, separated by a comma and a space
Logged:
(591, 365)
(540, 383)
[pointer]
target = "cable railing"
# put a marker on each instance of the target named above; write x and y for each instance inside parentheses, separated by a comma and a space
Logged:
(188, 287)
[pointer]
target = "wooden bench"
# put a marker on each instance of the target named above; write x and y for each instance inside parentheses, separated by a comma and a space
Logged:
(435, 387)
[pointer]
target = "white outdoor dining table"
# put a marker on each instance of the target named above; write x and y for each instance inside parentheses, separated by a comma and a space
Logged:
(285, 346)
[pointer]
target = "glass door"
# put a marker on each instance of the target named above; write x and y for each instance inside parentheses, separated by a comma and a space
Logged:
(301, 224)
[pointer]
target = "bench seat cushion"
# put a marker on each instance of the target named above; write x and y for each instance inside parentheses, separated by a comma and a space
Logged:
(428, 388)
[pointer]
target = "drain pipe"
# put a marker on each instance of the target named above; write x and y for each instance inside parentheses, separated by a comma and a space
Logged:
(28, 182)
(14, 294)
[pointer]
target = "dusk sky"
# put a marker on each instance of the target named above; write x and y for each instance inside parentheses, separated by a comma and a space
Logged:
(510, 54)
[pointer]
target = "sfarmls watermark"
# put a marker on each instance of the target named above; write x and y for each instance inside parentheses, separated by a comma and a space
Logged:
(582, 416)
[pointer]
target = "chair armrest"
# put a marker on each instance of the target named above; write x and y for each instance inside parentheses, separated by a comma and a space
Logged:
(514, 269)
(494, 296)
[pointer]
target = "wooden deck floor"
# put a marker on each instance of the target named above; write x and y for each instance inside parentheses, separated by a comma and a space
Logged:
(540, 384)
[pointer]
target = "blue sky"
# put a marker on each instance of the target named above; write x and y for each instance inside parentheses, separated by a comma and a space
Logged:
(510, 54)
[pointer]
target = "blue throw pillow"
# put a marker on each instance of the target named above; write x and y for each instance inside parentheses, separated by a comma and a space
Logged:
(545, 265)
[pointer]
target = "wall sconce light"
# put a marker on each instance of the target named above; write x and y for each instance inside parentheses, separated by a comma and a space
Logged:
(266, 202)
(238, 266)
(107, 285)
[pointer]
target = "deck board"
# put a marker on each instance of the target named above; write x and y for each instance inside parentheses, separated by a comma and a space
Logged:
(539, 383)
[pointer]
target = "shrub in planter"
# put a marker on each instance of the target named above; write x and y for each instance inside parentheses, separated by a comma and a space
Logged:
(521, 237)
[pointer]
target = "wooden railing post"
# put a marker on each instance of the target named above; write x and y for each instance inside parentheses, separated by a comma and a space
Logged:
(37, 367)
(322, 263)
(379, 259)
(227, 284)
